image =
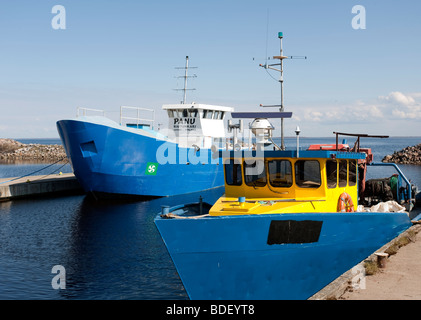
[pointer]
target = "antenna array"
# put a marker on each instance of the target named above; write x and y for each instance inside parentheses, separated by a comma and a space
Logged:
(186, 68)
(281, 57)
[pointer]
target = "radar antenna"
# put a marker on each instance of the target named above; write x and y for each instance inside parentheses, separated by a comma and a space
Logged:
(281, 57)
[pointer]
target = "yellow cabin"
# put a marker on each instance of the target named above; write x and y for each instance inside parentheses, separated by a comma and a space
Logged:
(281, 182)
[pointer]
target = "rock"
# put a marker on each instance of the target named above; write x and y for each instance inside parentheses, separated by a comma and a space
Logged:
(11, 150)
(9, 145)
(409, 155)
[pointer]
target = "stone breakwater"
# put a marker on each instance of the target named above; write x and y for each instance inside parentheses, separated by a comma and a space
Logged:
(12, 150)
(409, 155)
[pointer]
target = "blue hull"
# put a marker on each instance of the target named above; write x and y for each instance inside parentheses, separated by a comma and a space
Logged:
(111, 160)
(254, 257)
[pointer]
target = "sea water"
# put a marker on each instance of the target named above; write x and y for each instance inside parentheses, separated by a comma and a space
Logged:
(108, 249)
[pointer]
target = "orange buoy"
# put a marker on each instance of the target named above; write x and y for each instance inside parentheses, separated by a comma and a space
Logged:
(345, 203)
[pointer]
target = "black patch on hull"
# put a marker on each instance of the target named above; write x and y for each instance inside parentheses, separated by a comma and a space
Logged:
(291, 231)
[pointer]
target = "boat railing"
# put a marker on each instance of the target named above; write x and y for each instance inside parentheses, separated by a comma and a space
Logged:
(401, 175)
(84, 111)
(139, 122)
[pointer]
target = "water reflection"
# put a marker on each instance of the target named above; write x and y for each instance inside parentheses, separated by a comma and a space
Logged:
(116, 251)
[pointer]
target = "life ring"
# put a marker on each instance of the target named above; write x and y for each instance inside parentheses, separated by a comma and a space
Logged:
(345, 203)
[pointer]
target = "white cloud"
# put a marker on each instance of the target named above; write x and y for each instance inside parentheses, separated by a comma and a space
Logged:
(347, 113)
(313, 115)
(398, 98)
(412, 112)
(394, 105)
(405, 106)
(295, 117)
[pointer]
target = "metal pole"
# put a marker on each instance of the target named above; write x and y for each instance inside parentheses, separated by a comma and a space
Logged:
(282, 77)
(185, 79)
(250, 142)
(280, 35)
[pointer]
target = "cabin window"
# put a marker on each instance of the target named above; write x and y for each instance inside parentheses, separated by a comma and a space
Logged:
(255, 173)
(185, 113)
(352, 172)
(331, 173)
(307, 174)
(343, 173)
(233, 173)
(280, 173)
(221, 115)
(193, 113)
(207, 114)
(216, 115)
(170, 113)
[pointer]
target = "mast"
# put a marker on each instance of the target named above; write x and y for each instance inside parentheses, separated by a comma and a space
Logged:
(186, 68)
(281, 57)
(281, 80)
(185, 79)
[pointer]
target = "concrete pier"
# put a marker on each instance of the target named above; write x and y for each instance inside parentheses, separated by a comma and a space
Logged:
(12, 188)
(388, 283)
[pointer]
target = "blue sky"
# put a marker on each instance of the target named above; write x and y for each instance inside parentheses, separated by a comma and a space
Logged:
(115, 53)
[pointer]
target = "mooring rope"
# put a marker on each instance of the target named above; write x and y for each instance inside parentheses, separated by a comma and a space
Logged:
(51, 172)
(29, 174)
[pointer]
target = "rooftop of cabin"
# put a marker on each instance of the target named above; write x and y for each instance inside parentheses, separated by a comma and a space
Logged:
(194, 105)
(202, 111)
(319, 154)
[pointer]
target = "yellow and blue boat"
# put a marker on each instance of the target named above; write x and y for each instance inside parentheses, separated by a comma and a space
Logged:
(286, 226)
(288, 223)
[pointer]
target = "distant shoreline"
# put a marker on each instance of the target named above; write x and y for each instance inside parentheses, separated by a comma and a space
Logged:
(12, 150)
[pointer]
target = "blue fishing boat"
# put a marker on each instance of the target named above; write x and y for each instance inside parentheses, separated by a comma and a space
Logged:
(282, 233)
(133, 158)
(110, 158)
(289, 223)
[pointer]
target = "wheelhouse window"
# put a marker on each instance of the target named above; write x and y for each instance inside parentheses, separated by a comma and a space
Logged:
(331, 173)
(233, 173)
(280, 173)
(255, 173)
(216, 115)
(193, 113)
(207, 114)
(343, 173)
(307, 174)
(352, 172)
(170, 113)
